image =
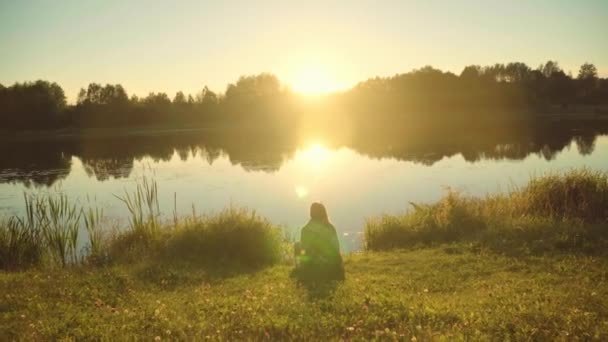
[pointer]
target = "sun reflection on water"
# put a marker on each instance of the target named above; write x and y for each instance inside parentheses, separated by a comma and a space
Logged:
(316, 155)
(312, 163)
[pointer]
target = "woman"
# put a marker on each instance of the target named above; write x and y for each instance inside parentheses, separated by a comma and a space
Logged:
(318, 254)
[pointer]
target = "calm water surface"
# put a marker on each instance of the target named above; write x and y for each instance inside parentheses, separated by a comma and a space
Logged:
(353, 183)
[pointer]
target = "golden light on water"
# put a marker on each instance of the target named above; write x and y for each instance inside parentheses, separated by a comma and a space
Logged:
(316, 155)
(312, 163)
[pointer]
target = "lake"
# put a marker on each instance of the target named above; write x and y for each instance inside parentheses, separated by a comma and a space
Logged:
(280, 178)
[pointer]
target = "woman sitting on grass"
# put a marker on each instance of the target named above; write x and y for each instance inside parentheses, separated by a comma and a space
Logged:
(318, 254)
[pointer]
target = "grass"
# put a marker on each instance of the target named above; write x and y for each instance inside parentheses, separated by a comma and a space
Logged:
(445, 293)
(555, 212)
(526, 265)
(234, 237)
(48, 235)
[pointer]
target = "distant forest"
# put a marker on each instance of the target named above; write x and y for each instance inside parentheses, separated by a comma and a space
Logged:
(422, 96)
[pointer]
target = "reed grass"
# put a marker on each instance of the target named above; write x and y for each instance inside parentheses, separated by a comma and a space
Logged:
(21, 245)
(60, 223)
(143, 207)
(93, 217)
(556, 211)
(50, 230)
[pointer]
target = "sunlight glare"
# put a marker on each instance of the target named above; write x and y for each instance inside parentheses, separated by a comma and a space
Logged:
(301, 191)
(314, 80)
(315, 155)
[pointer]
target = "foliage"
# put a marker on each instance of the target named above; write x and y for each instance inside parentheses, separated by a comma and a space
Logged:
(21, 244)
(234, 237)
(32, 105)
(507, 91)
(93, 219)
(143, 207)
(567, 211)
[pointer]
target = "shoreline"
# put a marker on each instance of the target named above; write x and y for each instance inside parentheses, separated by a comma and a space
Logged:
(574, 118)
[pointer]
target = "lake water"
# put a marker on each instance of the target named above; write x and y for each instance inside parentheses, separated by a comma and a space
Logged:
(280, 182)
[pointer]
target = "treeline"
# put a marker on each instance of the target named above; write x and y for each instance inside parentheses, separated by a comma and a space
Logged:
(501, 90)
(37, 105)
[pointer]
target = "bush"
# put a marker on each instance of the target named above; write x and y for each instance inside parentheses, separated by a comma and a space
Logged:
(578, 194)
(233, 237)
(49, 231)
(567, 211)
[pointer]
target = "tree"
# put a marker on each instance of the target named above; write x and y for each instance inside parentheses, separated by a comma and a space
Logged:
(516, 72)
(37, 104)
(82, 97)
(587, 71)
(179, 98)
(471, 72)
(206, 96)
(550, 69)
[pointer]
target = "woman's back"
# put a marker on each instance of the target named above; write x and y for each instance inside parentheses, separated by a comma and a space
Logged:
(320, 242)
(321, 257)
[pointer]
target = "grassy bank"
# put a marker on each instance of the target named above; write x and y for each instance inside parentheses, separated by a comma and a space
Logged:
(451, 292)
(565, 212)
(50, 235)
(526, 265)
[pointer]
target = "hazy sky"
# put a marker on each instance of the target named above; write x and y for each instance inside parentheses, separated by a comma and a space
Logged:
(184, 45)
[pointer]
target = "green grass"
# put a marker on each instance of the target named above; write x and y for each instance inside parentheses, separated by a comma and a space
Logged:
(526, 265)
(555, 212)
(451, 292)
(47, 236)
(234, 238)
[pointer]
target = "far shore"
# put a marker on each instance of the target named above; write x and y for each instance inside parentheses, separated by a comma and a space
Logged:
(68, 133)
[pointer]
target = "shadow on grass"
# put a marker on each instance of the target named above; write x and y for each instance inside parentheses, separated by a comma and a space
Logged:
(318, 286)
(172, 276)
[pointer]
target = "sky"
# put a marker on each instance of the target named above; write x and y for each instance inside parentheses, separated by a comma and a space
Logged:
(312, 46)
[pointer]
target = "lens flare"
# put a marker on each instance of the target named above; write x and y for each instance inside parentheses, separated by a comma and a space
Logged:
(301, 191)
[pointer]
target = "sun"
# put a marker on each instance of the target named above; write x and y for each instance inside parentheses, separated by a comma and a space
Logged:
(314, 80)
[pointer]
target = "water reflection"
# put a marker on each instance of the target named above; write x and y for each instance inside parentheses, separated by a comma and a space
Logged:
(43, 163)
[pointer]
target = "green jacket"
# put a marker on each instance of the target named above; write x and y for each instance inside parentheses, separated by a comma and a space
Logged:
(319, 241)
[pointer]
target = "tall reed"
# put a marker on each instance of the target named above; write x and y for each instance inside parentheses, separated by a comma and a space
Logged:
(143, 207)
(59, 221)
(93, 217)
(21, 245)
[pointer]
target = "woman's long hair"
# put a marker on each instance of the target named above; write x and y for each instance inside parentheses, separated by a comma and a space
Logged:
(318, 212)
